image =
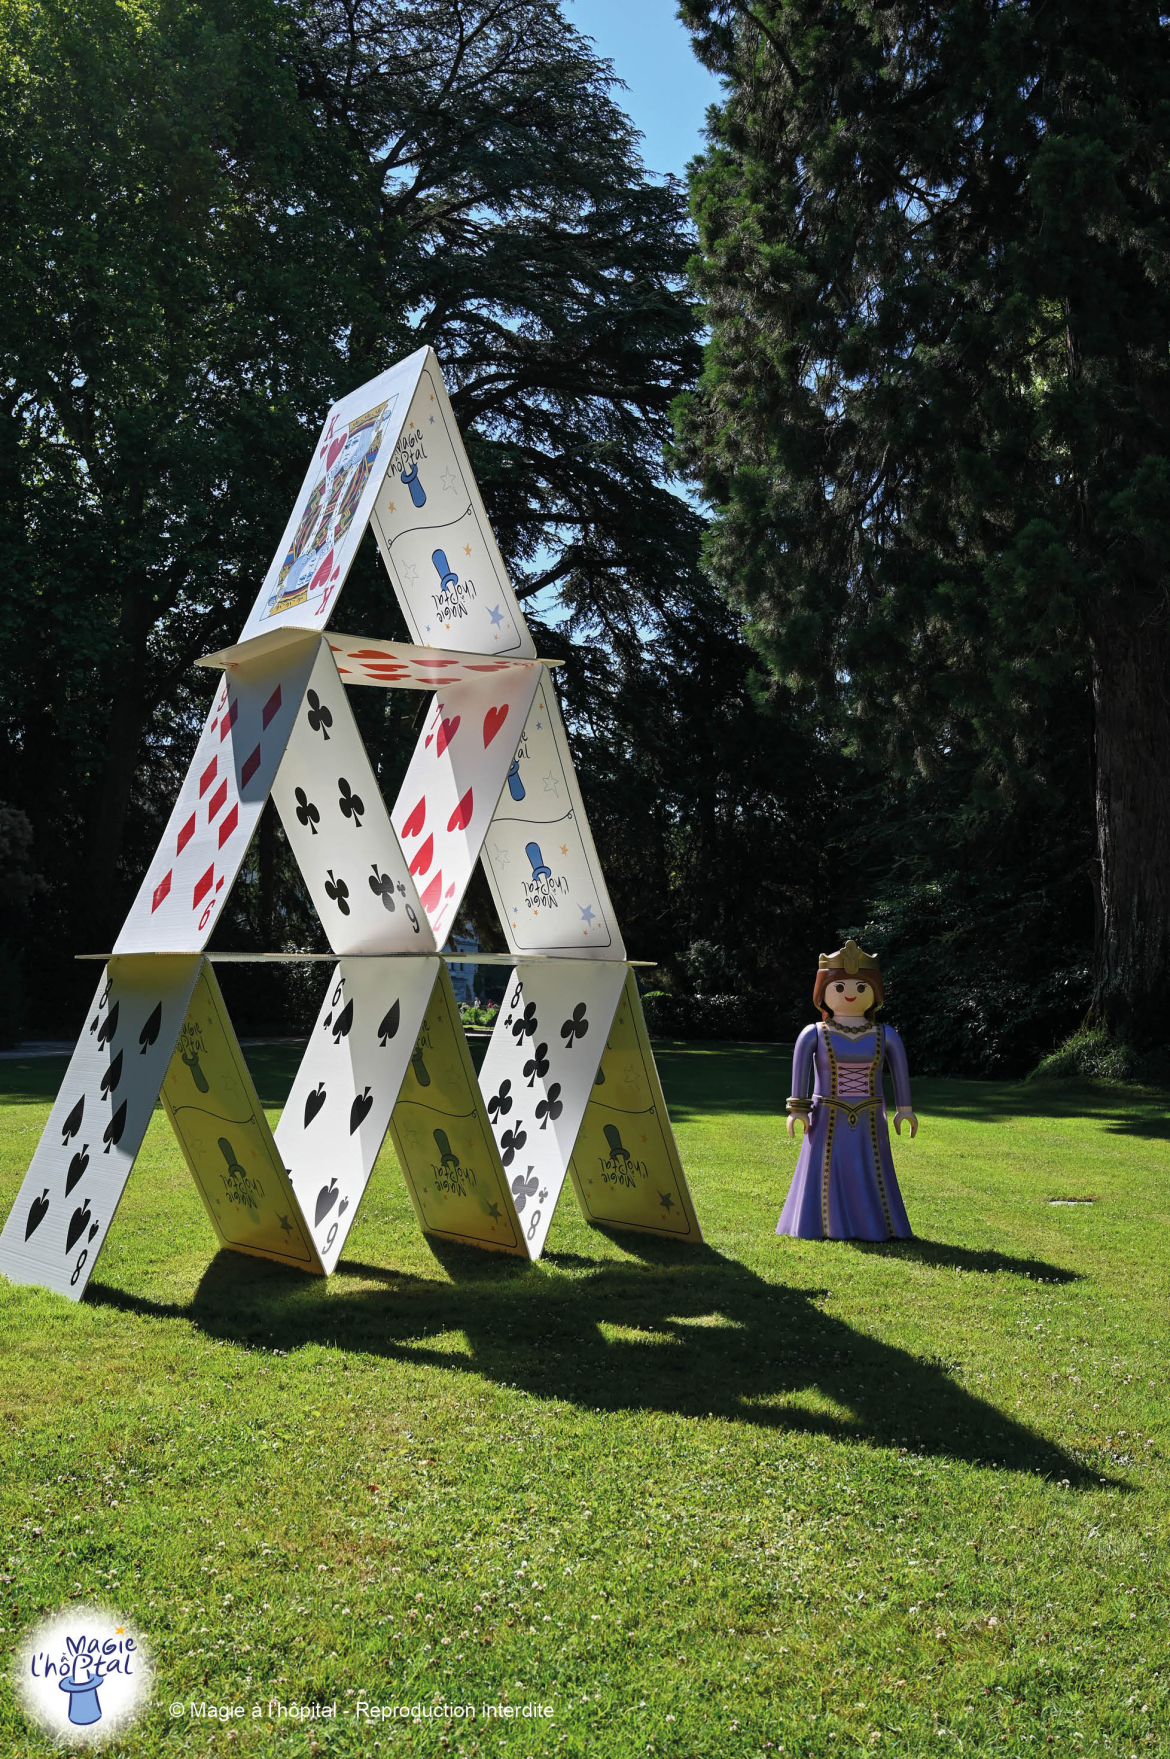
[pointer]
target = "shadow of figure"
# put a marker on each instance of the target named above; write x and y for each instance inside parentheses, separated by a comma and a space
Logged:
(987, 1260)
(681, 1330)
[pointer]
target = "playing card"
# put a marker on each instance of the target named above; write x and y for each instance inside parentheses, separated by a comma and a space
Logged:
(538, 1075)
(433, 532)
(219, 804)
(225, 1139)
(539, 854)
(454, 779)
(331, 513)
(399, 665)
(625, 1167)
(336, 821)
(64, 1208)
(335, 1118)
(443, 1140)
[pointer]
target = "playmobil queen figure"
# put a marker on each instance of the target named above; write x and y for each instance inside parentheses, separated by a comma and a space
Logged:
(844, 1186)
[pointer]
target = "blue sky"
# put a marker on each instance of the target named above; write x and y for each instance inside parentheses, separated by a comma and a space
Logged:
(668, 90)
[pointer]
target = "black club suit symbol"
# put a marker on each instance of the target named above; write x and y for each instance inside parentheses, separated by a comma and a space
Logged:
(351, 804)
(307, 812)
(551, 1106)
(511, 1142)
(319, 717)
(525, 1026)
(500, 1104)
(338, 891)
(523, 1189)
(536, 1068)
(382, 887)
(576, 1027)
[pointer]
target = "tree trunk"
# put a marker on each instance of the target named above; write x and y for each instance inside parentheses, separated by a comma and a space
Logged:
(1131, 699)
(111, 802)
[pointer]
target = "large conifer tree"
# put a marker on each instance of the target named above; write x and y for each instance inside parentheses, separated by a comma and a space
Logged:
(935, 415)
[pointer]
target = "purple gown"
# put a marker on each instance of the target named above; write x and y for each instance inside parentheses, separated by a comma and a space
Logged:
(844, 1186)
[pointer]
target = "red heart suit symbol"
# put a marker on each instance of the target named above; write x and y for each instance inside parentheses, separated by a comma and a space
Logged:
(492, 722)
(423, 856)
(417, 819)
(461, 817)
(447, 732)
(433, 892)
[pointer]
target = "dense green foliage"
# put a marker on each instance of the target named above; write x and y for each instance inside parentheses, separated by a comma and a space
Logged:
(219, 217)
(709, 1500)
(935, 421)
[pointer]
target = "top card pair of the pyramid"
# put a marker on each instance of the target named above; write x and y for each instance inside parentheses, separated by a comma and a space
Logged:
(390, 456)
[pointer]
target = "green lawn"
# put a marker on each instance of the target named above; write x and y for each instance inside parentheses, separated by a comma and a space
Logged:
(761, 1496)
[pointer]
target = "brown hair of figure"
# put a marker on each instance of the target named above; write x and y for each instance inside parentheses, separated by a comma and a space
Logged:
(870, 975)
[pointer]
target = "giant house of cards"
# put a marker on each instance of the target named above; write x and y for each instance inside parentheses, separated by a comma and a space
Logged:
(568, 1087)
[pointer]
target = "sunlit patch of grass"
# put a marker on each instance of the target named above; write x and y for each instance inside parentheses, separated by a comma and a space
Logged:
(757, 1496)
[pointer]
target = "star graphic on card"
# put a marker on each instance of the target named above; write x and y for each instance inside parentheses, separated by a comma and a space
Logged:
(493, 1210)
(503, 859)
(586, 913)
(666, 1200)
(552, 784)
(564, 848)
(496, 616)
(286, 1224)
(432, 421)
(467, 549)
(448, 480)
(410, 573)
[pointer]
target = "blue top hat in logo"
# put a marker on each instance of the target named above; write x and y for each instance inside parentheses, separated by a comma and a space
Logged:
(539, 870)
(515, 785)
(417, 493)
(83, 1697)
(447, 575)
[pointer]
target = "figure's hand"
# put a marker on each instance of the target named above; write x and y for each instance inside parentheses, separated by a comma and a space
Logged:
(795, 1118)
(904, 1114)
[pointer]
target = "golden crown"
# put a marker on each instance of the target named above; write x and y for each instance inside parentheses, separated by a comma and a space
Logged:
(849, 959)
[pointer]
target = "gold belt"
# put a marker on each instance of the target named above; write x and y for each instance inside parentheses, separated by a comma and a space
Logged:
(852, 1112)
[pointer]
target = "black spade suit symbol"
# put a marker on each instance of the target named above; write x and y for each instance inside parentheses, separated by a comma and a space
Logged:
(37, 1213)
(343, 1023)
(388, 1028)
(112, 1076)
(94, 1229)
(326, 1198)
(112, 1134)
(151, 1029)
(77, 1167)
(72, 1123)
(361, 1108)
(109, 1025)
(314, 1103)
(78, 1222)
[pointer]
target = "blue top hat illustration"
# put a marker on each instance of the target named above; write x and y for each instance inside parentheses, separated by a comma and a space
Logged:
(617, 1148)
(417, 493)
(447, 575)
(83, 1697)
(515, 785)
(539, 870)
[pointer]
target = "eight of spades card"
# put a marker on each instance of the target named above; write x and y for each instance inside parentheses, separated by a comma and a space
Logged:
(539, 855)
(331, 513)
(455, 776)
(538, 1074)
(335, 1117)
(336, 821)
(62, 1214)
(224, 1135)
(219, 804)
(625, 1167)
(435, 538)
(441, 1136)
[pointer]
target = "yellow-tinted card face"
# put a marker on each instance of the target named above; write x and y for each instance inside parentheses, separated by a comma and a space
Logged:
(625, 1167)
(441, 1135)
(224, 1135)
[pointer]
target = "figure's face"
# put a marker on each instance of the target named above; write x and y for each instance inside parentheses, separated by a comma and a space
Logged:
(849, 996)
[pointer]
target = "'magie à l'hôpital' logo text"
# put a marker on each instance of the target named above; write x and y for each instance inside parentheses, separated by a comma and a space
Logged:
(83, 1674)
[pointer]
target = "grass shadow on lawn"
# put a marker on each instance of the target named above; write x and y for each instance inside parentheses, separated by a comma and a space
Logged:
(684, 1331)
(1122, 1110)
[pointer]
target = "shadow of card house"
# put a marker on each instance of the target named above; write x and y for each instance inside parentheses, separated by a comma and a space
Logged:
(693, 1334)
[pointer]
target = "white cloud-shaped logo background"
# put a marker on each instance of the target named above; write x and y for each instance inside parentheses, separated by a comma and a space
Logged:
(83, 1674)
